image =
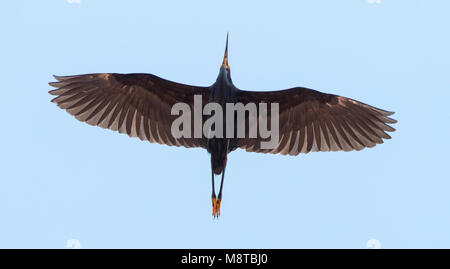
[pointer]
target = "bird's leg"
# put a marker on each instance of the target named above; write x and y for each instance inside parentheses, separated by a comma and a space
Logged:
(213, 195)
(219, 197)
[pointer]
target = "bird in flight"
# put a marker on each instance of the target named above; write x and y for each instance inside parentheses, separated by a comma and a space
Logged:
(140, 105)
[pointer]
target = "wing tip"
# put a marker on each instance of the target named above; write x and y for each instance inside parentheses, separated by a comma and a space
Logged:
(393, 121)
(53, 92)
(61, 78)
(53, 84)
(387, 113)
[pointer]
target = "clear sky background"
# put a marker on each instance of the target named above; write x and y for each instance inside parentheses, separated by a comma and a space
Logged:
(61, 179)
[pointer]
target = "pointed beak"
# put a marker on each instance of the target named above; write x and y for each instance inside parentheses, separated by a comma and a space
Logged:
(225, 57)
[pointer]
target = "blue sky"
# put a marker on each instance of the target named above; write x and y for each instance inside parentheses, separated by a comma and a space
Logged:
(61, 179)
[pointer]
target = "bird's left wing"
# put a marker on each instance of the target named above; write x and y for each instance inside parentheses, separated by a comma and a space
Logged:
(136, 104)
(310, 120)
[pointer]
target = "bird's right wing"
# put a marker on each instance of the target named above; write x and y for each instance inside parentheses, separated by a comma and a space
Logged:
(136, 104)
(310, 120)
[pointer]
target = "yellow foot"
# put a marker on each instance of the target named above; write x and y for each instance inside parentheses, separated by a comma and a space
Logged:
(216, 207)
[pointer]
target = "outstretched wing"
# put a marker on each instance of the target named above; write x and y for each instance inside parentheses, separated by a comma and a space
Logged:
(136, 104)
(313, 121)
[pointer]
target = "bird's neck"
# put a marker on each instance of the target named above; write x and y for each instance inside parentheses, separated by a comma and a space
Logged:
(223, 89)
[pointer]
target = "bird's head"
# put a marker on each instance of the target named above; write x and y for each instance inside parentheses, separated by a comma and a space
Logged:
(225, 64)
(225, 67)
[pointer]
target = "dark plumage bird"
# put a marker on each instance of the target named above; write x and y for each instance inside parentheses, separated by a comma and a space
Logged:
(140, 106)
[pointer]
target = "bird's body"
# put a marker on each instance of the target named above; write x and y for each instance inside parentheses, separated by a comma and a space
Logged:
(222, 92)
(141, 105)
